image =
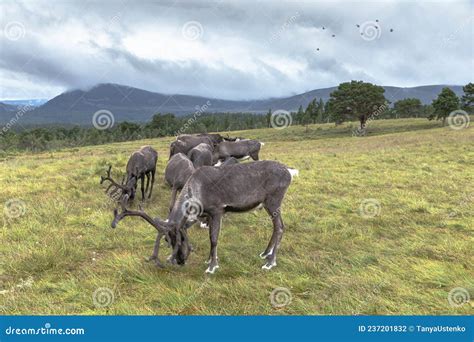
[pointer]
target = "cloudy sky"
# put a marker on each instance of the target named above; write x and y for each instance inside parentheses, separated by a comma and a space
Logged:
(231, 49)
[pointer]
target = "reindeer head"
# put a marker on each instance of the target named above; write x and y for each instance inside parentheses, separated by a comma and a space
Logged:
(175, 233)
(119, 191)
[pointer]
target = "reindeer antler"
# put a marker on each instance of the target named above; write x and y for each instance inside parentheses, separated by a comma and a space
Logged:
(113, 183)
(126, 212)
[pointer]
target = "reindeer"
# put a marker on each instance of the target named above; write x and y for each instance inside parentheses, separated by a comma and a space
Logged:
(185, 142)
(201, 155)
(213, 191)
(141, 164)
(239, 149)
(177, 172)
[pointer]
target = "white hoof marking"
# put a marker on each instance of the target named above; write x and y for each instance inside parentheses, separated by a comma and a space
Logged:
(268, 266)
(212, 270)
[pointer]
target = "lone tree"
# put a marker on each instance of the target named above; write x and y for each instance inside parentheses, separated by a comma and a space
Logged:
(356, 100)
(445, 103)
(408, 108)
(467, 100)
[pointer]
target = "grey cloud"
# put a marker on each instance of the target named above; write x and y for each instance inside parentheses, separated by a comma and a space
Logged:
(431, 43)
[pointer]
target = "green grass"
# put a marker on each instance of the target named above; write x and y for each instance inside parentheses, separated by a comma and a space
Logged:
(332, 259)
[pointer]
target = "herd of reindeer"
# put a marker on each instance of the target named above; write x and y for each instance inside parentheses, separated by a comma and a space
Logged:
(207, 172)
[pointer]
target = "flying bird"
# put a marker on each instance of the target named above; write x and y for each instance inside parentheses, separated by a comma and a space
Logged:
(333, 35)
(391, 30)
(376, 20)
(358, 25)
(324, 28)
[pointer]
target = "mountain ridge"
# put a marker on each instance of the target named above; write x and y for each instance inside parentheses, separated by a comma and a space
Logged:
(138, 105)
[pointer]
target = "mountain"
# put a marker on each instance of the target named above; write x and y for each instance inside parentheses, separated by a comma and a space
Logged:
(29, 102)
(138, 105)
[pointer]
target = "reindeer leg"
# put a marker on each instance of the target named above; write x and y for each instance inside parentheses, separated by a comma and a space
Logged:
(156, 248)
(274, 243)
(142, 178)
(174, 191)
(152, 182)
(214, 235)
(147, 175)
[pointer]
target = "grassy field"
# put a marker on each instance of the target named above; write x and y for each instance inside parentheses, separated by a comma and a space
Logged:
(402, 252)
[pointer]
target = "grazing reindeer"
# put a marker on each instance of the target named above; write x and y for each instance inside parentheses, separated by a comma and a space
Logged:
(238, 149)
(141, 164)
(201, 155)
(184, 143)
(177, 172)
(211, 192)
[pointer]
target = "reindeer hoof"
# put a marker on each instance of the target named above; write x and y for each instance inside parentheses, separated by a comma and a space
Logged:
(151, 258)
(212, 269)
(158, 264)
(204, 225)
(269, 265)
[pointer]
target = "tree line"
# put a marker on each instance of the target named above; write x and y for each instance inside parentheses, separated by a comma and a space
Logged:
(355, 100)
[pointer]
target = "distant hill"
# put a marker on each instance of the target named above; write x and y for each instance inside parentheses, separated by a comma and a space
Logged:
(138, 105)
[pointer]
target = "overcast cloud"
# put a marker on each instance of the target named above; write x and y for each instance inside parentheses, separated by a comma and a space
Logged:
(231, 49)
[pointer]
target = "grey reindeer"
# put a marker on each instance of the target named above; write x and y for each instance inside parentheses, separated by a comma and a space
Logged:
(210, 193)
(239, 149)
(142, 163)
(177, 172)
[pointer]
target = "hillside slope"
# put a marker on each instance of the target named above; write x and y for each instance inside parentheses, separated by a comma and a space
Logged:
(374, 225)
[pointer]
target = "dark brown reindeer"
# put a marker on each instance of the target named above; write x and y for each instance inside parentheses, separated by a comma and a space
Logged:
(141, 164)
(210, 193)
